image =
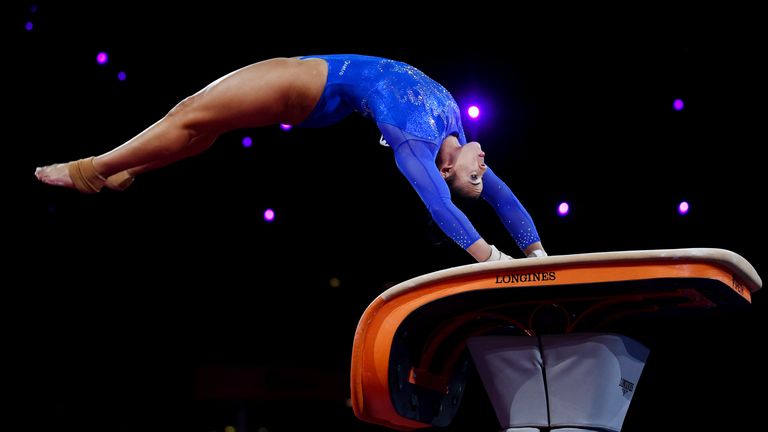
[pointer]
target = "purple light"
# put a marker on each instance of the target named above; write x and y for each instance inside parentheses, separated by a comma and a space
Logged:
(247, 142)
(563, 209)
(121, 76)
(285, 127)
(678, 104)
(33, 8)
(101, 58)
(683, 208)
(269, 215)
(474, 112)
(28, 26)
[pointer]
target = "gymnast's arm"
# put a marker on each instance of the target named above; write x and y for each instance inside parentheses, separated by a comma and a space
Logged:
(417, 164)
(512, 214)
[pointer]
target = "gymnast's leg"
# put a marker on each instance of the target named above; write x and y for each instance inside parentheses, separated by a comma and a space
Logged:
(269, 92)
(123, 179)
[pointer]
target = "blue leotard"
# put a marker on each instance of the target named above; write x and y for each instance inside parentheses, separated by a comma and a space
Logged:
(415, 114)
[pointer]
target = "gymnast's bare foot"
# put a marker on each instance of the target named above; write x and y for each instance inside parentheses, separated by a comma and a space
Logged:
(80, 175)
(56, 175)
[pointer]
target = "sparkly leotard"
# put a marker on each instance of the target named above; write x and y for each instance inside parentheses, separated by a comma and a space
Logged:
(415, 114)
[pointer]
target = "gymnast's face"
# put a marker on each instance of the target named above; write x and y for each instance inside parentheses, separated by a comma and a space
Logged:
(466, 176)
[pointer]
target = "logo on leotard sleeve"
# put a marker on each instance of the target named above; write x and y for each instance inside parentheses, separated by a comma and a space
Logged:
(626, 386)
(344, 67)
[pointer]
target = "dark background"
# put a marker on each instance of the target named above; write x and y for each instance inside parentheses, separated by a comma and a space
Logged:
(174, 305)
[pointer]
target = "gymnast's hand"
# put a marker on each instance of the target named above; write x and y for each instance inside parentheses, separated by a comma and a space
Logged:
(497, 255)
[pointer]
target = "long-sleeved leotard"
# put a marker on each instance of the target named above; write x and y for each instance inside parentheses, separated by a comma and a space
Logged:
(415, 114)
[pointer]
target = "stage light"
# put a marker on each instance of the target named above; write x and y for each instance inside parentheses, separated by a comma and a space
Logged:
(269, 215)
(563, 209)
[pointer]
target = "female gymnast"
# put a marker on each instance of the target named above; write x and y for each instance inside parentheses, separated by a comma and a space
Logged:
(418, 118)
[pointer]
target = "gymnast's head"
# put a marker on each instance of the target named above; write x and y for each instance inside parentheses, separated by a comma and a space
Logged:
(463, 169)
